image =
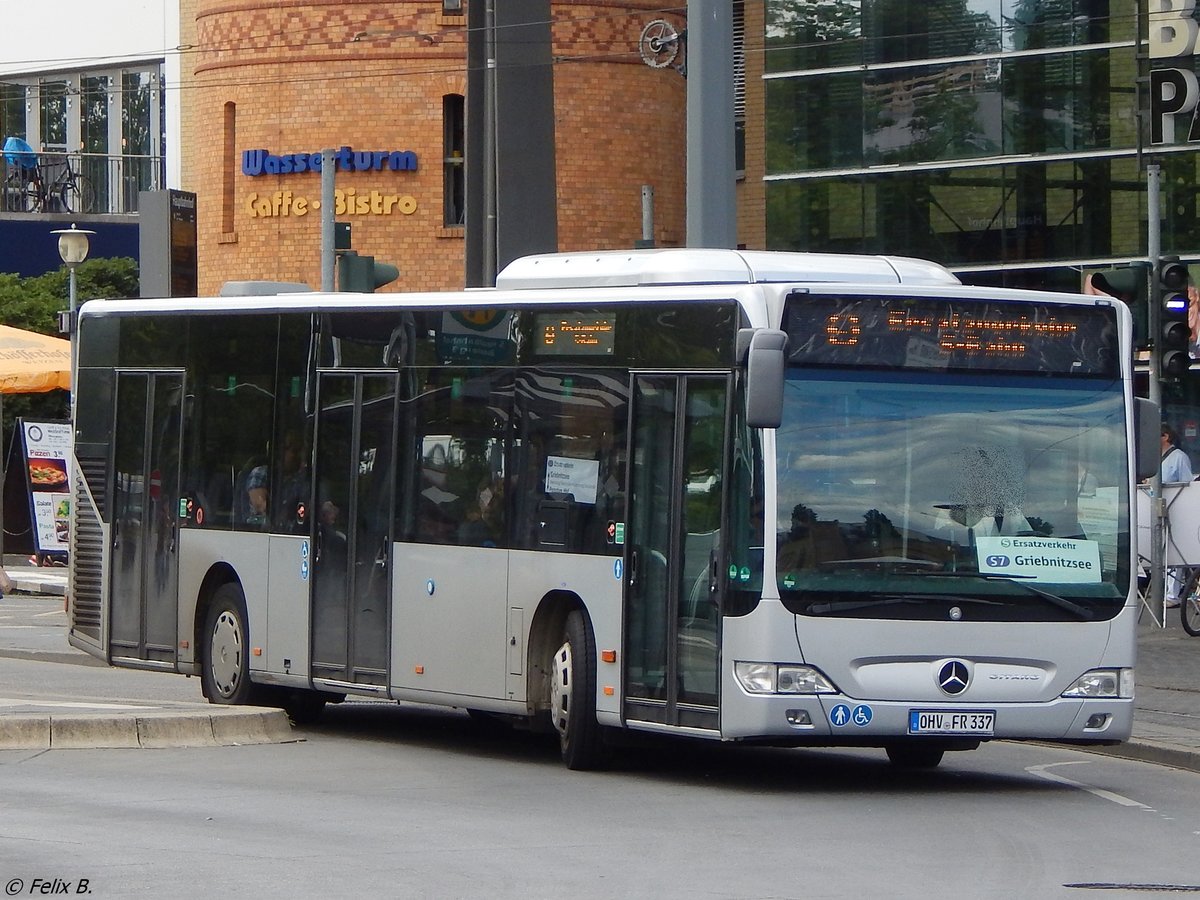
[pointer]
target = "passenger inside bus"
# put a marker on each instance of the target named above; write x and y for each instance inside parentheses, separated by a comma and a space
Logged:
(253, 499)
(483, 521)
(293, 487)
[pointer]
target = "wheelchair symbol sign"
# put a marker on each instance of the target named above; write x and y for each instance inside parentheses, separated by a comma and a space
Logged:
(841, 715)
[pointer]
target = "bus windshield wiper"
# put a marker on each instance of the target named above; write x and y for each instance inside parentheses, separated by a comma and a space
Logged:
(879, 563)
(832, 606)
(1070, 606)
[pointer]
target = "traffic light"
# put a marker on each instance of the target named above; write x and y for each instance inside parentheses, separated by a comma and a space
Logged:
(362, 274)
(1174, 357)
(1127, 283)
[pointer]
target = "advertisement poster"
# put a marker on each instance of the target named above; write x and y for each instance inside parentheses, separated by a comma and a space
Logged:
(47, 461)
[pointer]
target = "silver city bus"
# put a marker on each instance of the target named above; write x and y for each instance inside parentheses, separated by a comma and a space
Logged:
(785, 498)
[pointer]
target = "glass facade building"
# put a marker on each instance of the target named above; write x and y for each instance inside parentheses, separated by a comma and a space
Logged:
(1003, 138)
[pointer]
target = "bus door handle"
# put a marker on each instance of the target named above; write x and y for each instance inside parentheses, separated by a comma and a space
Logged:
(633, 566)
(381, 558)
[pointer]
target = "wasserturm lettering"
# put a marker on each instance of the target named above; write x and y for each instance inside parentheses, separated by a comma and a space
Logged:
(346, 159)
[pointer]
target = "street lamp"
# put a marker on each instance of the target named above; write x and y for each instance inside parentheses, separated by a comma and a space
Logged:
(73, 248)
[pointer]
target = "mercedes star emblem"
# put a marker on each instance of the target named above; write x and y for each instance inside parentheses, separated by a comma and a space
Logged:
(953, 677)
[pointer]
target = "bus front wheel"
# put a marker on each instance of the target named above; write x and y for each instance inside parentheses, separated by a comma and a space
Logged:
(573, 696)
(225, 674)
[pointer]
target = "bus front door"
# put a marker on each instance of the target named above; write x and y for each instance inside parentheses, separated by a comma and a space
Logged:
(144, 569)
(351, 583)
(672, 601)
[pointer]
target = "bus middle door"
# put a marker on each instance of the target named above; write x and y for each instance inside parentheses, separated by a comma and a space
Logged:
(351, 584)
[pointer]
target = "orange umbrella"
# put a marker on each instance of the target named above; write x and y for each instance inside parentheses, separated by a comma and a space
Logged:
(31, 363)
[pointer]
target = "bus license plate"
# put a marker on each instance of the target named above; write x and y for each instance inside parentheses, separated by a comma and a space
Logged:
(944, 721)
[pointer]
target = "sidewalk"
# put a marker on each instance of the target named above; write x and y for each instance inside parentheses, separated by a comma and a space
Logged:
(1166, 727)
(87, 706)
(30, 579)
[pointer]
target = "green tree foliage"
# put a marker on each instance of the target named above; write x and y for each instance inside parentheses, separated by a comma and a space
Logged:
(34, 303)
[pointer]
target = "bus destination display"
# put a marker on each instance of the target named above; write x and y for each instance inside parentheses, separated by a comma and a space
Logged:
(587, 334)
(907, 333)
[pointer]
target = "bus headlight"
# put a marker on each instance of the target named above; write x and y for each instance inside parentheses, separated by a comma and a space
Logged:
(1102, 683)
(777, 678)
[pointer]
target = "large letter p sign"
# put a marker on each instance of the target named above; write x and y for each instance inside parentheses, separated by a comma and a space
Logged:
(1172, 91)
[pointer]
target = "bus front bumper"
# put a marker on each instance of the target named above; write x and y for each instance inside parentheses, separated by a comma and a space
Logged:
(832, 719)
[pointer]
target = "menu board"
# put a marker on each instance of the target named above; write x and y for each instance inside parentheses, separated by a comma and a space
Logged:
(47, 466)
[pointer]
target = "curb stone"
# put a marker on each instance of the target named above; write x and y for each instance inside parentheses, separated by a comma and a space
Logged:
(204, 728)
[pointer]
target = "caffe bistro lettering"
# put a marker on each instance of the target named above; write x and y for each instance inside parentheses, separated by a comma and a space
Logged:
(262, 162)
(345, 203)
(1173, 92)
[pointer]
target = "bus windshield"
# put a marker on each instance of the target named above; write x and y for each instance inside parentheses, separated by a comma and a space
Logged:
(970, 492)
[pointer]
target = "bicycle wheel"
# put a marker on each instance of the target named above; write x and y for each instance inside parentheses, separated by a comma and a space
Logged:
(78, 195)
(1189, 610)
(21, 194)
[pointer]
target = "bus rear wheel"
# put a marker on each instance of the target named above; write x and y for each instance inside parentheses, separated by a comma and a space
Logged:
(914, 756)
(573, 697)
(225, 670)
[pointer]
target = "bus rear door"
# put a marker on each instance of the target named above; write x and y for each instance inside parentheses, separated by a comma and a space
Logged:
(144, 572)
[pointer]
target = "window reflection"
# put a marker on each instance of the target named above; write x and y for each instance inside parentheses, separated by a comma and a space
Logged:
(802, 35)
(1063, 210)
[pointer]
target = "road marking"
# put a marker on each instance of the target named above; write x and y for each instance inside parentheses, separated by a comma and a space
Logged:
(1041, 772)
(69, 704)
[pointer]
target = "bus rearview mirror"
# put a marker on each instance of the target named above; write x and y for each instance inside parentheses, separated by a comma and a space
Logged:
(765, 363)
(1147, 421)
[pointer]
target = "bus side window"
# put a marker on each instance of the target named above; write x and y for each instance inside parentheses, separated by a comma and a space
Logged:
(569, 457)
(461, 423)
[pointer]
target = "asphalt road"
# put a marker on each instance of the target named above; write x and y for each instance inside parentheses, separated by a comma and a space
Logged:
(409, 801)
(405, 801)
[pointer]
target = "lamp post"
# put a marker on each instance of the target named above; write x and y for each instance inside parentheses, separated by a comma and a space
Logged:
(73, 248)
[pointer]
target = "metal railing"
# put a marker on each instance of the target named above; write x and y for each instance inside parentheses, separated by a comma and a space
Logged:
(82, 183)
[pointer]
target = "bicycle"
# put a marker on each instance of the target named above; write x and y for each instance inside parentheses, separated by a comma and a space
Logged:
(1189, 603)
(28, 189)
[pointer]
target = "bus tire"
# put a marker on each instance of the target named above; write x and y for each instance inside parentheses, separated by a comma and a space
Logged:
(915, 756)
(225, 672)
(573, 696)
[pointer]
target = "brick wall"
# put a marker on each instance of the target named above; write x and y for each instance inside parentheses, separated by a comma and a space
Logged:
(303, 75)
